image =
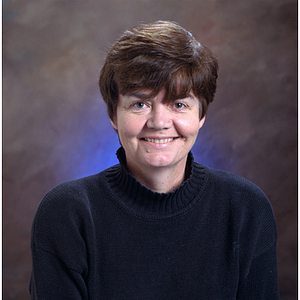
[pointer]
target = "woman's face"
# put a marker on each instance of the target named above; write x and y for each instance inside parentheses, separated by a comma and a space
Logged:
(154, 134)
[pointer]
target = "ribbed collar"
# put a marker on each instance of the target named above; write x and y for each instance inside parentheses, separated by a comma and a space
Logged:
(142, 202)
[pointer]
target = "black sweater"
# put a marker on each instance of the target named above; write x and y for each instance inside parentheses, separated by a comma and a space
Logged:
(108, 237)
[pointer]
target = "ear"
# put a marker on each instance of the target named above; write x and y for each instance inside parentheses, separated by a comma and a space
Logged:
(201, 122)
(114, 123)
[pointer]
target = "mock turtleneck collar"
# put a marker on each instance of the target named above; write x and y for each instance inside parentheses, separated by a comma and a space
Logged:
(140, 201)
(121, 156)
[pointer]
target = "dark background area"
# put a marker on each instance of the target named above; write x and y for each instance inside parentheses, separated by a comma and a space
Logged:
(55, 126)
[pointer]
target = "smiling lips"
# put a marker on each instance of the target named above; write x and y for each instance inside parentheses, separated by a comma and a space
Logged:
(159, 141)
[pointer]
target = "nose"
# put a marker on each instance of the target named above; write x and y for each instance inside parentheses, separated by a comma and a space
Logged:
(159, 117)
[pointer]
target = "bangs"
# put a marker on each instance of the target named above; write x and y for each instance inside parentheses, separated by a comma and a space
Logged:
(177, 83)
(179, 86)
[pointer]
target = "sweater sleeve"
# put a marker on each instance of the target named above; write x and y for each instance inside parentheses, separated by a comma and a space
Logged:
(257, 248)
(59, 247)
(262, 280)
(52, 279)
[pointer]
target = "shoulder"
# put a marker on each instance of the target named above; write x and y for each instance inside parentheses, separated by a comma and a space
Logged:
(235, 187)
(67, 209)
(250, 209)
(69, 194)
(74, 193)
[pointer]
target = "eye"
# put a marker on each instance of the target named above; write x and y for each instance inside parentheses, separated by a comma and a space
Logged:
(179, 105)
(139, 105)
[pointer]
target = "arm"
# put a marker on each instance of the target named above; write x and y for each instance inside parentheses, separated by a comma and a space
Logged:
(258, 238)
(261, 283)
(52, 279)
(59, 247)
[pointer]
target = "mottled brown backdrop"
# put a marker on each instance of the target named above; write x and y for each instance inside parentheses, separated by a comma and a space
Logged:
(55, 126)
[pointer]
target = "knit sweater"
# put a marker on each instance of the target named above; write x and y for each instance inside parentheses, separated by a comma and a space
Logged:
(108, 237)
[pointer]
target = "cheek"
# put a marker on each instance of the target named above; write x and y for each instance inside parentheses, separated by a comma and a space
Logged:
(188, 127)
(128, 126)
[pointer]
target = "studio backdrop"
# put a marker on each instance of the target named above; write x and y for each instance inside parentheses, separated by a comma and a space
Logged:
(55, 125)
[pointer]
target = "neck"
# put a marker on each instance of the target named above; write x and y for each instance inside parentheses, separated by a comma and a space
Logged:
(161, 180)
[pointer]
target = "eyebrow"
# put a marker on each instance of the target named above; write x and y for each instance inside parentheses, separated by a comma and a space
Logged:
(139, 95)
(189, 96)
(145, 96)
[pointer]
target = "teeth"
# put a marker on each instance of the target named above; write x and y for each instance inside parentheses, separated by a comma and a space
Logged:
(159, 141)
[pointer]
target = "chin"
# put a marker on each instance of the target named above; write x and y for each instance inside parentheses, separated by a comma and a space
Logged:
(161, 161)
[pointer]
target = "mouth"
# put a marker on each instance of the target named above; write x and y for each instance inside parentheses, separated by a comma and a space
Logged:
(159, 141)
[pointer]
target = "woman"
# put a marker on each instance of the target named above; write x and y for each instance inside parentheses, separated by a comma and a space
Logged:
(157, 225)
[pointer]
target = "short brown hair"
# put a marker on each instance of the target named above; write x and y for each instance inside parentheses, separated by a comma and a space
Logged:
(156, 56)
